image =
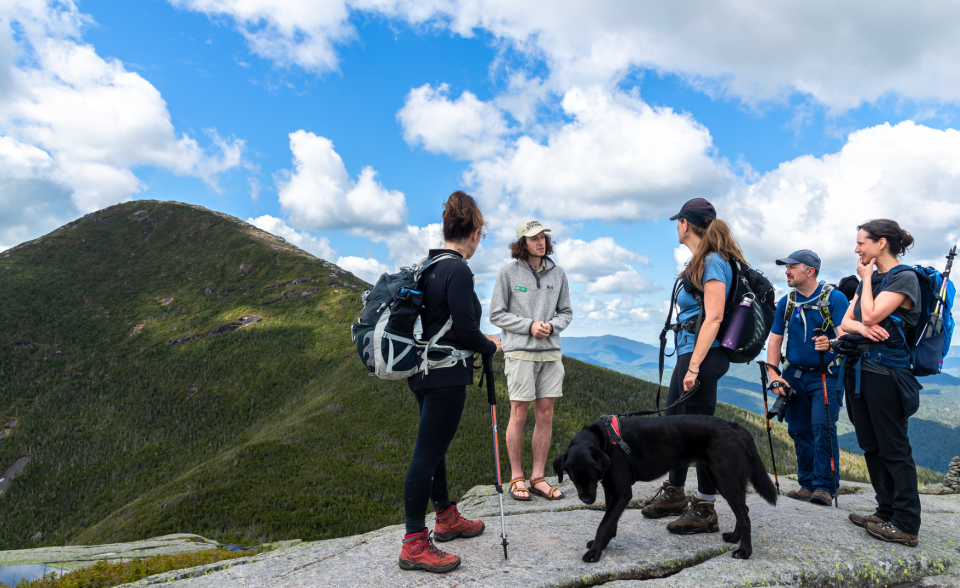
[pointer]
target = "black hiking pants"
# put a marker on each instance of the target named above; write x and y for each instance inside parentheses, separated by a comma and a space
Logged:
(881, 427)
(440, 410)
(714, 366)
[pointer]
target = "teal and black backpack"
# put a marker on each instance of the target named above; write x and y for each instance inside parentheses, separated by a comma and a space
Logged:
(384, 331)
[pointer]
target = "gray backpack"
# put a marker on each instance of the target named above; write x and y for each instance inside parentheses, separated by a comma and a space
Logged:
(384, 331)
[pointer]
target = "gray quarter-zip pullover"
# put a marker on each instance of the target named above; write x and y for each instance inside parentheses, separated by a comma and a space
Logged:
(522, 296)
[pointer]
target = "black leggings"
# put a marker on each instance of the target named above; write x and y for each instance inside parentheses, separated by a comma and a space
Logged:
(881, 428)
(704, 401)
(440, 410)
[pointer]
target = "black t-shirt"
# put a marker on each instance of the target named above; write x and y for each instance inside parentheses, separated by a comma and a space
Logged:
(902, 282)
(448, 291)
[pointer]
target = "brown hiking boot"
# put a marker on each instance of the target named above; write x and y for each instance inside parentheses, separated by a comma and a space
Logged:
(700, 517)
(669, 500)
(803, 494)
(821, 497)
(888, 532)
(419, 553)
(451, 524)
(860, 520)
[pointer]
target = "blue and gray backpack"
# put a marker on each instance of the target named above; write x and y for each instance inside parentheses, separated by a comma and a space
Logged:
(385, 330)
(929, 342)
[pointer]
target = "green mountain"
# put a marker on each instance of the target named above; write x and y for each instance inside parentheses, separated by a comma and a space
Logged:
(167, 369)
(934, 430)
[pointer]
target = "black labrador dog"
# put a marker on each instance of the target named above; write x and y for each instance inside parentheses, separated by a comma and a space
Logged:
(657, 445)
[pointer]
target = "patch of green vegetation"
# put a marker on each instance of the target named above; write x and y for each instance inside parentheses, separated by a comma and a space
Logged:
(141, 418)
(104, 574)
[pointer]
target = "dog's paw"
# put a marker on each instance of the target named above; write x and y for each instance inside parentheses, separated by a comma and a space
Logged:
(590, 544)
(732, 537)
(742, 553)
(592, 556)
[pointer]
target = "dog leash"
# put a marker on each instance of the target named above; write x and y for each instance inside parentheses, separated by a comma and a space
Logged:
(683, 398)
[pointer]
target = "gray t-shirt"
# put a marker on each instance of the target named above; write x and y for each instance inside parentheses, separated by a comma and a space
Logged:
(903, 282)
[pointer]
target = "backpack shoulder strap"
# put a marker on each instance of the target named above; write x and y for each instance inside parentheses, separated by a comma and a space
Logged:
(823, 304)
(787, 311)
(424, 264)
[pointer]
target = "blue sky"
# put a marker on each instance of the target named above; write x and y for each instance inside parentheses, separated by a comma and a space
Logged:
(343, 125)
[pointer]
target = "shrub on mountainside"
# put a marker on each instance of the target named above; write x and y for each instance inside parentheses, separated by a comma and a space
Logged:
(105, 574)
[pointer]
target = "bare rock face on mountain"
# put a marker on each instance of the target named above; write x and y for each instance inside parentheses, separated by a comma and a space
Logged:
(795, 544)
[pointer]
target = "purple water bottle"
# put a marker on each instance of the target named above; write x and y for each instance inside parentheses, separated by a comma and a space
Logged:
(731, 339)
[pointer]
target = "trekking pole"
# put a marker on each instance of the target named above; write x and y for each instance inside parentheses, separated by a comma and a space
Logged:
(946, 278)
(766, 412)
(492, 399)
(826, 411)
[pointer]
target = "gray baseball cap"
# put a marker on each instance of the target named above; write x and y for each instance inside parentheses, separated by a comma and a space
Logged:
(804, 256)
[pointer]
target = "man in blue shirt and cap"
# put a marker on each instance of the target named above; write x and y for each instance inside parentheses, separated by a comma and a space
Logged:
(809, 305)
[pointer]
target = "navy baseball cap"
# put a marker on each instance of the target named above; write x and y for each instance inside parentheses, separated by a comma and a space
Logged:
(696, 211)
(804, 256)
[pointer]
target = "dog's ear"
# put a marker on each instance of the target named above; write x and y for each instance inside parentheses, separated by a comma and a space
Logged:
(558, 464)
(601, 459)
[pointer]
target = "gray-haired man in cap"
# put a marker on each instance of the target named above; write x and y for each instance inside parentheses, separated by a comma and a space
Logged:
(809, 305)
(531, 304)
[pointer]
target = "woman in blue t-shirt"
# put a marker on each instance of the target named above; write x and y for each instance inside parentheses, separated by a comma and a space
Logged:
(707, 277)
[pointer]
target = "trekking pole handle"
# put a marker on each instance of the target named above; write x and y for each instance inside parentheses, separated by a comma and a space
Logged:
(491, 385)
(823, 367)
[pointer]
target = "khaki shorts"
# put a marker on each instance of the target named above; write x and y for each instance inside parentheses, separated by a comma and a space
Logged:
(529, 380)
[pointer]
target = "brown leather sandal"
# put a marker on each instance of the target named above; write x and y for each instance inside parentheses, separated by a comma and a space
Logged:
(514, 489)
(553, 494)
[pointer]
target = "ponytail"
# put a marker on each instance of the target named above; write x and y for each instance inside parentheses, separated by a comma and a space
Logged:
(715, 237)
(898, 239)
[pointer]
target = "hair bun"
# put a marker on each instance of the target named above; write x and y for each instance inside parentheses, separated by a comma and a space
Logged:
(906, 239)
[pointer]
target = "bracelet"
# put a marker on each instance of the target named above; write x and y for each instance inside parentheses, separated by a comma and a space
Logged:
(693, 372)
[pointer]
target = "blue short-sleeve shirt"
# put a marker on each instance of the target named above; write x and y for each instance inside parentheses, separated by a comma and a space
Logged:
(714, 268)
(800, 347)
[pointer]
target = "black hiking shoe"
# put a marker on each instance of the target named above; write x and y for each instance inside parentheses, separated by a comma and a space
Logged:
(669, 500)
(701, 517)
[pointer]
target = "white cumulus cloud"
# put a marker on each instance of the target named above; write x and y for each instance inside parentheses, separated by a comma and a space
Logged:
(618, 159)
(907, 172)
(319, 193)
(841, 53)
(319, 246)
(465, 128)
(74, 126)
(366, 268)
(626, 282)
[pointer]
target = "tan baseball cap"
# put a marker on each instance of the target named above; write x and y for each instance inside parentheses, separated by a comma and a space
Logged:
(529, 228)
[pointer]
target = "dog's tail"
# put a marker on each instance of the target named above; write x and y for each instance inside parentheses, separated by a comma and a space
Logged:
(758, 472)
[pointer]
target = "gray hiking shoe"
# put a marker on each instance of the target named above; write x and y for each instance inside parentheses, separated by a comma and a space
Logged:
(701, 517)
(669, 500)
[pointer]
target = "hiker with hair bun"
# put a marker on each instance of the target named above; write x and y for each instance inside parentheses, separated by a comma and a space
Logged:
(878, 385)
(707, 277)
(441, 393)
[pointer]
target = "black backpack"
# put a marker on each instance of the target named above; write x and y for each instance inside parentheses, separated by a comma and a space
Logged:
(748, 284)
(384, 331)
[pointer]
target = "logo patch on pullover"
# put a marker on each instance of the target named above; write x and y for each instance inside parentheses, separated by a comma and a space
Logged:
(520, 288)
